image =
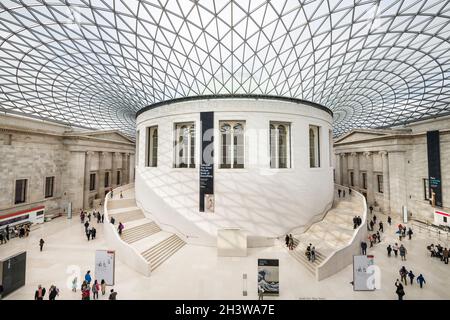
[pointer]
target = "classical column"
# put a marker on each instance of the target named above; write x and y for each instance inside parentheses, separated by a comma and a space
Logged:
(125, 168)
(386, 191)
(370, 179)
(356, 171)
(344, 169)
(114, 169)
(87, 178)
(101, 174)
(337, 169)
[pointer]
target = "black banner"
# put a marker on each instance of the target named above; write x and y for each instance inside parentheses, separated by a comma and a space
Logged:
(13, 274)
(206, 162)
(434, 166)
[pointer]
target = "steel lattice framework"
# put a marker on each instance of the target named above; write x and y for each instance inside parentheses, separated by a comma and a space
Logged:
(96, 62)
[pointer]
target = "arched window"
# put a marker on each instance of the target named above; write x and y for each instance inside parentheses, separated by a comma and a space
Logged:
(151, 147)
(314, 147)
(232, 144)
(280, 145)
(185, 145)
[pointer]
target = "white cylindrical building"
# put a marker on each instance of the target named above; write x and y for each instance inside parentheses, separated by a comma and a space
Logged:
(266, 165)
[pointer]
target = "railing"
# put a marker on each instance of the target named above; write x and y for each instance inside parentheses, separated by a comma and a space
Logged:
(126, 253)
(432, 231)
(341, 258)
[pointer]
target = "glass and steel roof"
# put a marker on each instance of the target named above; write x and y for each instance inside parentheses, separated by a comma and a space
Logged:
(95, 63)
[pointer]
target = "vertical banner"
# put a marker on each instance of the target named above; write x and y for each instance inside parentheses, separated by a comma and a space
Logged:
(105, 266)
(206, 193)
(434, 166)
(268, 277)
(69, 210)
(361, 276)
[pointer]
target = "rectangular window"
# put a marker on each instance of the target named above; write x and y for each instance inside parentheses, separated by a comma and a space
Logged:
(280, 145)
(21, 191)
(151, 147)
(106, 179)
(314, 146)
(92, 182)
(364, 180)
(49, 183)
(426, 190)
(118, 178)
(380, 183)
(351, 179)
(184, 145)
(232, 145)
(445, 219)
(136, 158)
(330, 134)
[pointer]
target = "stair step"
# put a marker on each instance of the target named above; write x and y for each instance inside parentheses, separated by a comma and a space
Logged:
(148, 254)
(156, 264)
(140, 232)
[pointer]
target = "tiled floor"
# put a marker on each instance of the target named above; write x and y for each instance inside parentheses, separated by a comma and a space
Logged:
(197, 273)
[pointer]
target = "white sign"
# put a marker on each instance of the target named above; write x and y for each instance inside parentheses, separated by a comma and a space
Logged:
(405, 214)
(441, 218)
(105, 266)
(361, 273)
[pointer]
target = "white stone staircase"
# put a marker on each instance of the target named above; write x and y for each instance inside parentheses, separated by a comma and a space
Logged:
(143, 235)
(333, 232)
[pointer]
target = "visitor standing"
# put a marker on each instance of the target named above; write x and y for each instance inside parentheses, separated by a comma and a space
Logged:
(395, 249)
(86, 226)
(103, 217)
(121, 196)
(7, 233)
(103, 286)
(313, 254)
(53, 292)
(343, 193)
(403, 273)
(403, 252)
(381, 226)
(410, 233)
(363, 248)
(93, 233)
(74, 284)
(286, 239)
(421, 280)
(411, 276)
(113, 220)
(88, 277)
(120, 228)
(291, 242)
(112, 295)
(389, 249)
(339, 192)
(445, 255)
(389, 220)
(41, 243)
(88, 234)
(399, 291)
(95, 289)
(371, 210)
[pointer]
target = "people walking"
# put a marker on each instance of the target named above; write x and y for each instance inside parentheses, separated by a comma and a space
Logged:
(363, 248)
(381, 226)
(103, 217)
(41, 244)
(53, 292)
(88, 234)
(403, 252)
(410, 233)
(343, 193)
(339, 193)
(120, 228)
(103, 286)
(121, 196)
(399, 291)
(371, 210)
(93, 233)
(411, 276)
(371, 223)
(85, 291)
(403, 273)
(74, 284)
(112, 220)
(286, 239)
(95, 289)
(86, 226)
(420, 280)
(7, 233)
(395, 250)
(40, 293)
(445, 254)
(308, 252)
(389, 220)
(389, 249)
(313, 254)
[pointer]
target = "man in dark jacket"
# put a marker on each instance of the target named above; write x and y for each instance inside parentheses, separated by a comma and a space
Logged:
(363, 248)
(40, 293)
(400, 291)
(41, 243)
(113, 295)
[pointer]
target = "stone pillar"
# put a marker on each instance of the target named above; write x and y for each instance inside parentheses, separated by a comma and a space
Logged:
(125, 168)
(386, 191)
(337, 169)
(370, 179)
(114, 169)
(356, 171)
(87, 176)
(344, 169)
(101, 174)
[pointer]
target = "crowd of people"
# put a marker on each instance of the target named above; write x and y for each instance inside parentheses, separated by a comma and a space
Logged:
(311, 253)
(438, 251)
(85, 218)
(19, 231)
(289, 239)
(404, 274)
(87, 289)
(357, 221)
(343, 192)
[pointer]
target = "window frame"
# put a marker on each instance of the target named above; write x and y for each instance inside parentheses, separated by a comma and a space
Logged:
(426, 187)
(24, 189)
(189, 146)
(314, 162)
(364, 180)
(92, 182)
(274, 153)
(380, 186)
(233, 146)
(46, 193)
(151, 156)
(107, 179)
(118, 177)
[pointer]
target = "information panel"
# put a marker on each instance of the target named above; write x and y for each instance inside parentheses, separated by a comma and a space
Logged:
(361, 274)
(206, 201)
(12, 273)
(268, 277)
(105, 266)
(434, 166)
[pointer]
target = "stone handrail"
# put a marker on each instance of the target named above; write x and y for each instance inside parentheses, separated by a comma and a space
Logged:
(341, 258)
(126, 253)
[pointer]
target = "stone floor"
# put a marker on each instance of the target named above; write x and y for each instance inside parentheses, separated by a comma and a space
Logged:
(197, 273)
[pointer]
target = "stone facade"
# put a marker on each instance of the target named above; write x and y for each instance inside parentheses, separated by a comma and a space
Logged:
(34, 150)
(395, 163)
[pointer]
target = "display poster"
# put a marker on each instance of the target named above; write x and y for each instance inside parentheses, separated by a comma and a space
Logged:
(206, 200)
(268, 276)
(361, 274)
(105, 266)
(434, 166)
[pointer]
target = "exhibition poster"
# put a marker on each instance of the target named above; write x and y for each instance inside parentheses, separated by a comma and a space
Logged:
(363, 273)
(105, 266)
(268, 276)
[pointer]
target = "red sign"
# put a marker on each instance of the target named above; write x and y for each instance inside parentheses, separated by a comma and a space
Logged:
(442, 213)
(9, 215)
